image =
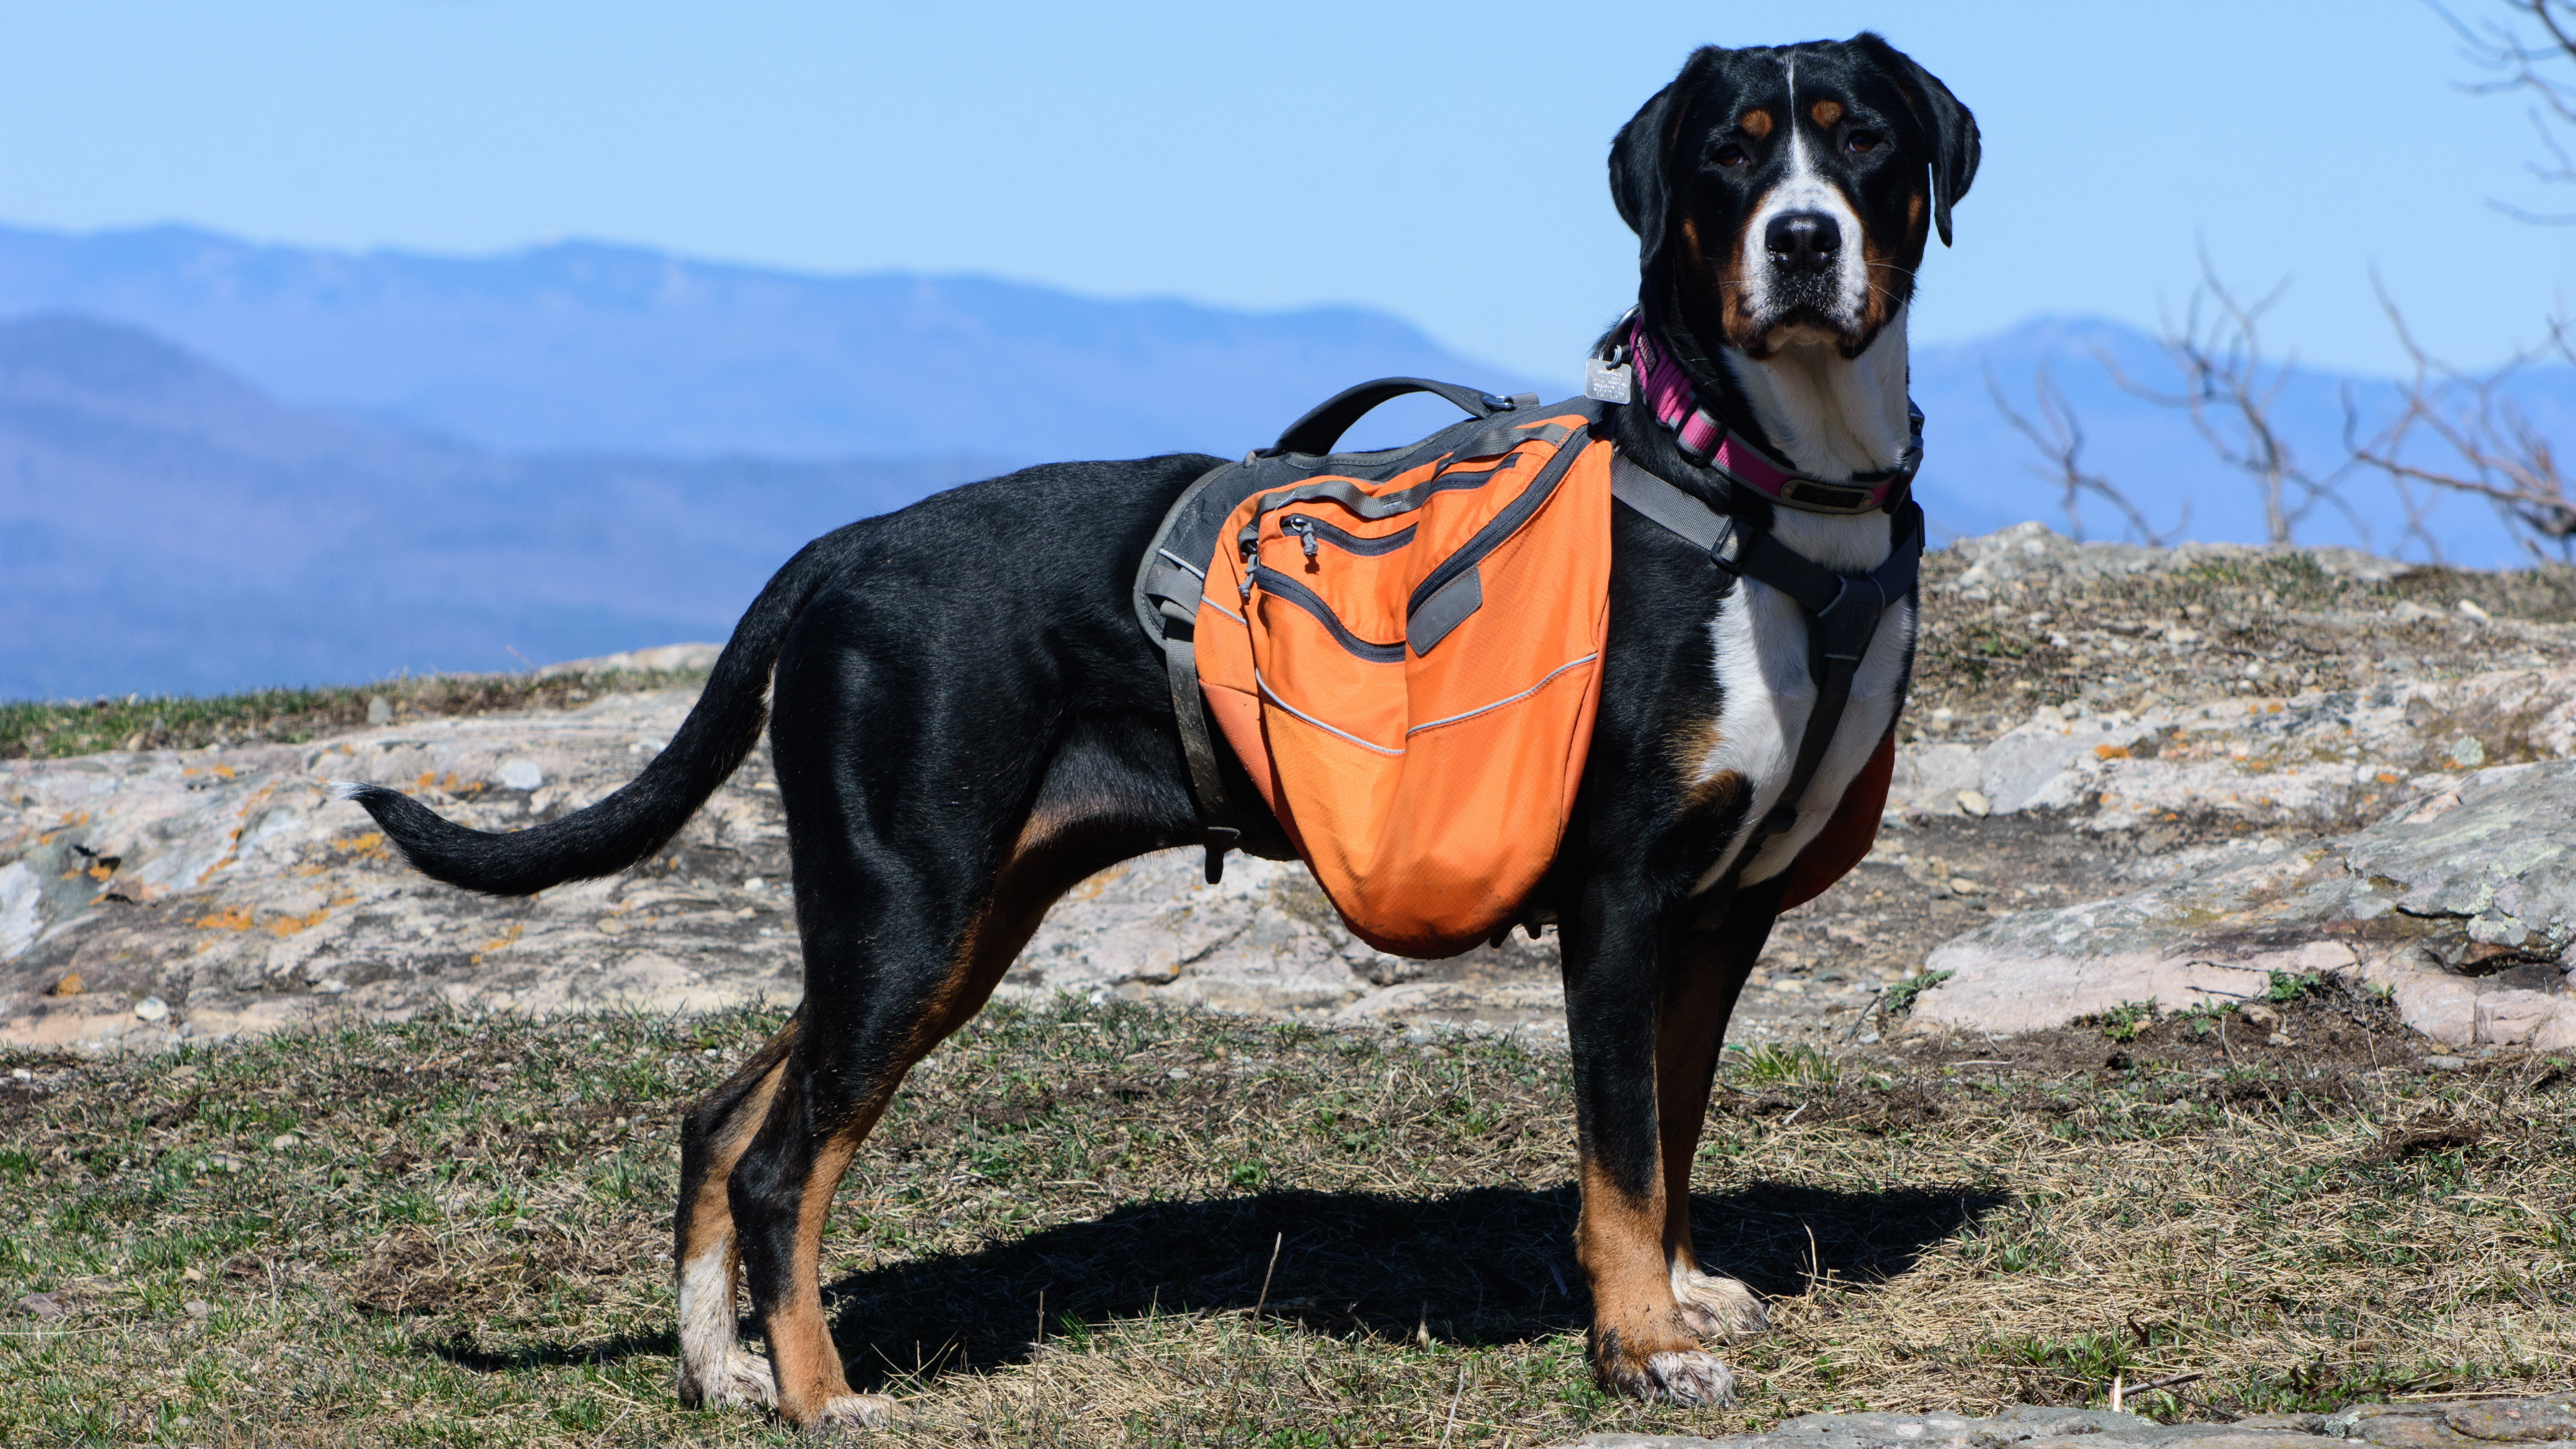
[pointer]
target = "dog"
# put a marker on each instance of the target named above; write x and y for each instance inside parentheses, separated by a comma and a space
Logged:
(966, 721)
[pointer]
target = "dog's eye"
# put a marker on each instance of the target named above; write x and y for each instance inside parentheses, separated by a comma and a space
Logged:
(1861, 143)
(1729, 156)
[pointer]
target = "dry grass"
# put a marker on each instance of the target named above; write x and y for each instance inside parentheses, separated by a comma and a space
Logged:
(1058, 1240)
(58, 729)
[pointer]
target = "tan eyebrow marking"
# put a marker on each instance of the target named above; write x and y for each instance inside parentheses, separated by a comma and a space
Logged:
(1826, 112)
(1756, 123)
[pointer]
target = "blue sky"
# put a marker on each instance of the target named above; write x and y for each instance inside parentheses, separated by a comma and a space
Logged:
(1441, 162)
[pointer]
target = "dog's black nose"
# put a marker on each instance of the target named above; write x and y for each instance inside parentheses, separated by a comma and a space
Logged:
(1803, 241)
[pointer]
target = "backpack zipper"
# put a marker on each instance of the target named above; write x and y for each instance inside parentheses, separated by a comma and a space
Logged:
(1310, 531)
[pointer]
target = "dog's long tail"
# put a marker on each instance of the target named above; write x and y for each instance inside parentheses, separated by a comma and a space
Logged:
(633, 822)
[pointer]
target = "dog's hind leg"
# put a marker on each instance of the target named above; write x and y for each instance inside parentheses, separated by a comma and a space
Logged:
(1703, 972)
(876, 1003)
(714, 1370)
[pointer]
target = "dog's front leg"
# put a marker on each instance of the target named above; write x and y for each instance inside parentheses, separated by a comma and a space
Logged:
(1641, 1343)
(1703, 972)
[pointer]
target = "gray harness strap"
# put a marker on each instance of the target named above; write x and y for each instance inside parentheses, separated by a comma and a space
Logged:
(1843, 613)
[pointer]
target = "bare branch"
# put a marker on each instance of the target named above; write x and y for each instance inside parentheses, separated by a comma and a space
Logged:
(2229, 388)
(2059, 437)
(2519, 61)
(2495, 452)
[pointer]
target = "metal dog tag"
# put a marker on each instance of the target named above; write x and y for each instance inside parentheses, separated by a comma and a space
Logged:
(1607, 382)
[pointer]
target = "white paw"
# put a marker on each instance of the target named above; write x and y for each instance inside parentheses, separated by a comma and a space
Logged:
(1694, 1379)
(1718, 1308)
(743, 1380)
(855, 1411)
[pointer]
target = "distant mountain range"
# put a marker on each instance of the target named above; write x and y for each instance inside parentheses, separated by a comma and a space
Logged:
(580, 347)
(224, 465)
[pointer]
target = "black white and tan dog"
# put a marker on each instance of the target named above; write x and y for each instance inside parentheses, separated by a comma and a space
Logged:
(966, 721)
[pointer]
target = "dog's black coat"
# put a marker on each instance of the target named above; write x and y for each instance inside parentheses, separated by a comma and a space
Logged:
(966, 720)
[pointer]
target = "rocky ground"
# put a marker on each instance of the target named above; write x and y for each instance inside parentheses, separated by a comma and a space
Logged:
(2128, 774)
(2460, 1424)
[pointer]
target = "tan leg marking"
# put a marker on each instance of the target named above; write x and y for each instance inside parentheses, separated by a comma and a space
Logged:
(713, 1369)
(810, 1377)
(1641, 1346)
(813, 1390)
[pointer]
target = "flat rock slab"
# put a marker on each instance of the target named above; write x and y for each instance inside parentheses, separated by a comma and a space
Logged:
(149, 898)
(2322, 760)
(2462, 1424)
(2464, 907)
(152, 897)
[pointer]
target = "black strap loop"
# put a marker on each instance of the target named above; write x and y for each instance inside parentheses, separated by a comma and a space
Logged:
(1320, 429)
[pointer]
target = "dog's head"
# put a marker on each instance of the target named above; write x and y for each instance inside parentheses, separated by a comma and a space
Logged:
(1784, 195)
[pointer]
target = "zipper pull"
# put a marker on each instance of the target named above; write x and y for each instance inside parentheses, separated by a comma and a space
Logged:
(1251, 564)
(1304, 528)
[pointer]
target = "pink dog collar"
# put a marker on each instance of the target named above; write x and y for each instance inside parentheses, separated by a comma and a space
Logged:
(1706, 442)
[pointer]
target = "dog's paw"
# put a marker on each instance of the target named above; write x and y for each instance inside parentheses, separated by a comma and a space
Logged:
(1718, 1309)
(1696, 1380)
(742, 1380)
(1672, 1375)
(855, 1411)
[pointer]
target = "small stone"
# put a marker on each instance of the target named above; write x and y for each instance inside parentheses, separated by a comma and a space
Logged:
(521, 774)
(283, 1141)
(2510, 1420)
(1975, 803)
(199, 1308)
(2279, 1039)
(192, 1275)
(2446, 1063)
(152, 1008)
(21, 1074)
(70, 985)
(2468, 752)
(43, 1305)
(754, 883)
(380, 710)
(2260, 1015)
(332, 986)
(2469, 609)
(1960, 885)
(1178, 1074)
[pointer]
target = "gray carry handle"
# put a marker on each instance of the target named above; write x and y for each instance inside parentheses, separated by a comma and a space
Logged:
(1317, 432)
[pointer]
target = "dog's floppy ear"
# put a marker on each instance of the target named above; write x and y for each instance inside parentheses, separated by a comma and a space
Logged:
(1641, 184)
(1953, 129)
(1637, 184)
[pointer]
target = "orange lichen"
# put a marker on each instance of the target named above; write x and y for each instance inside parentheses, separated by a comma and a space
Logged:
(288, 925)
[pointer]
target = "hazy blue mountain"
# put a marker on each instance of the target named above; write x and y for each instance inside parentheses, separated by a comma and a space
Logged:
(165, 527)
(587, 347)
(250, 465)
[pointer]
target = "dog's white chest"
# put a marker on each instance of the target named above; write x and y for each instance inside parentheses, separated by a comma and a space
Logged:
(1766, 694)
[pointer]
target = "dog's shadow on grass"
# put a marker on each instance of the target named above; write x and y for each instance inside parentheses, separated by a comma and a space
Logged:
(1481, 1266)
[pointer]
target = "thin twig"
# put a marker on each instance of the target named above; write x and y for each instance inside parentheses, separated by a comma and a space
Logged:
(1264, 1299)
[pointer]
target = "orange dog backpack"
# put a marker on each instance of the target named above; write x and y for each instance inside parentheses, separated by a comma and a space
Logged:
(1403, 649)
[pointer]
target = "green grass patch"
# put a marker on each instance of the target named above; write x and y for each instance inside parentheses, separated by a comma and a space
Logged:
(1064, 1233)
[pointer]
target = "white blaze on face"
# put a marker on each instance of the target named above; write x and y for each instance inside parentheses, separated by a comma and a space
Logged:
(1806, 188)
